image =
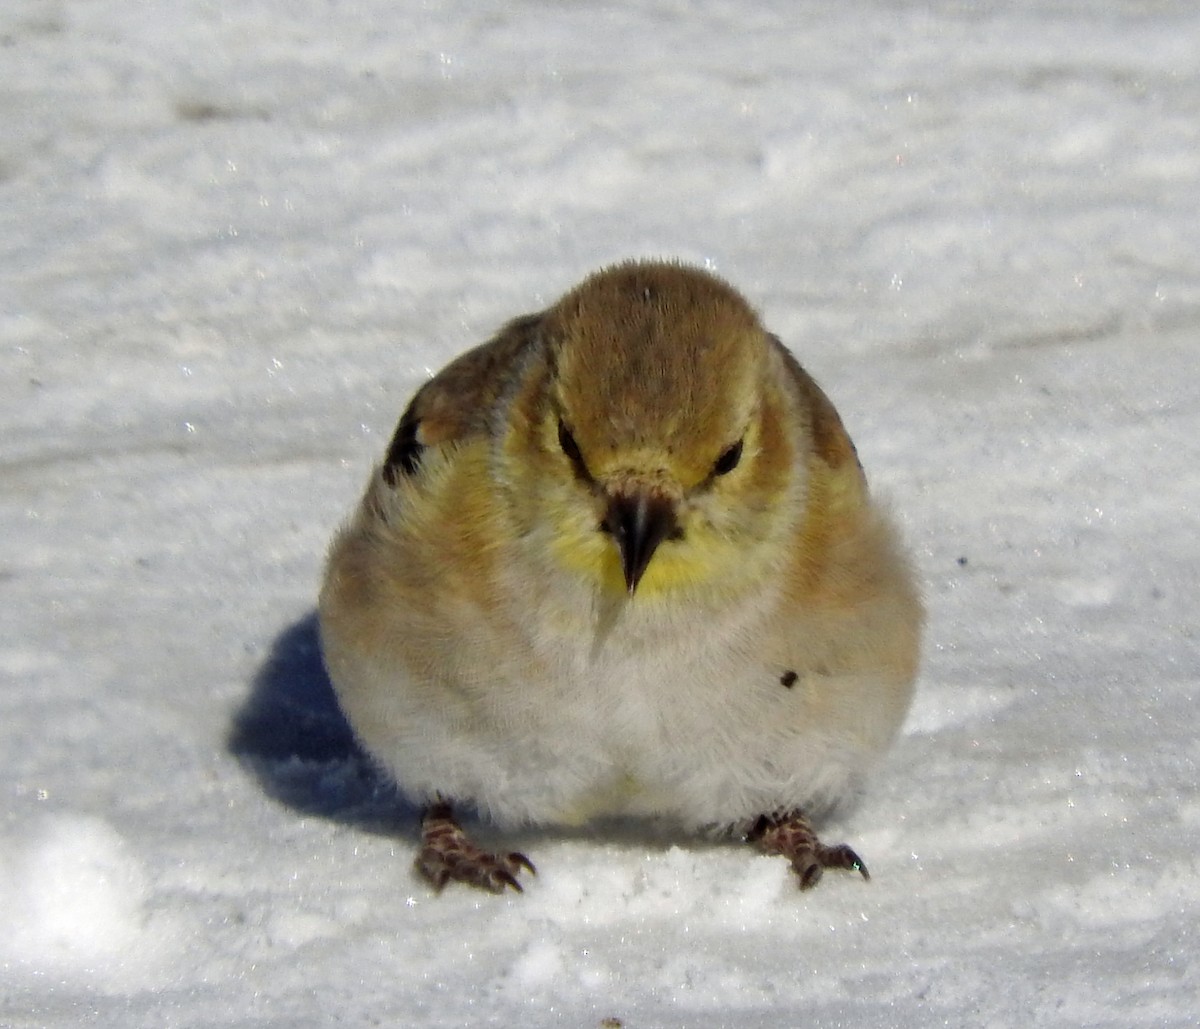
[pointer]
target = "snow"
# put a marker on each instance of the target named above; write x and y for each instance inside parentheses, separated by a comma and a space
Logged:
(234, 237)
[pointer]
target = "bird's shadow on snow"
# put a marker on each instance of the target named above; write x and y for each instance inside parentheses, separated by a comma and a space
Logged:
(292, 736)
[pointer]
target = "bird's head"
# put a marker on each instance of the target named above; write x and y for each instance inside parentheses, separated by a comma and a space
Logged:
(651, 437)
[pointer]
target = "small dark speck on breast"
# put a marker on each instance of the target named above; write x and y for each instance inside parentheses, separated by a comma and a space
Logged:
(788, 679)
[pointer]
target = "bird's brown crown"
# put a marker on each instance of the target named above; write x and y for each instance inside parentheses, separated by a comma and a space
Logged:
(680, 354)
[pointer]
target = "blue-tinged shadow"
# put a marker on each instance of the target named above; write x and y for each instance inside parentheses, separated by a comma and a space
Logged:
(291, 734)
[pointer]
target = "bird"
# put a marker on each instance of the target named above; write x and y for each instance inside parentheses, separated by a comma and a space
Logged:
(622, 561)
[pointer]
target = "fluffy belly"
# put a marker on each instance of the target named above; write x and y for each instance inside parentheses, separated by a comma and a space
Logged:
(710, 757)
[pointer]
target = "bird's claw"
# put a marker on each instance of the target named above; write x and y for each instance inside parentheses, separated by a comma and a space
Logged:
(791, 836)
(448, 855)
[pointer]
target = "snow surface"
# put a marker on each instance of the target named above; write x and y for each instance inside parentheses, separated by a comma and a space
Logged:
(235, 235)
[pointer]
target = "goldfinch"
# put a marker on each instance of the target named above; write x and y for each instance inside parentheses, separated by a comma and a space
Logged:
(621, 560)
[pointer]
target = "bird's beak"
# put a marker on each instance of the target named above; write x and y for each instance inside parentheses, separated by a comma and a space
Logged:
(638, 524)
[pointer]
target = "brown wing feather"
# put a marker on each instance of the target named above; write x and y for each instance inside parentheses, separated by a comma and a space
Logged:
(830, 440)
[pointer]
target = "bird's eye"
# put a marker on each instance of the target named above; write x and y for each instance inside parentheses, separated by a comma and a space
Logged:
(569, 447)
(728, 460)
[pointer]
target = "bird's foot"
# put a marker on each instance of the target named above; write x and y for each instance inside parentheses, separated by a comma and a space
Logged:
(791, 835)
(447, 854)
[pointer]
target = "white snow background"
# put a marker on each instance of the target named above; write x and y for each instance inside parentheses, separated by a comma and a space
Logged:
(234, 237)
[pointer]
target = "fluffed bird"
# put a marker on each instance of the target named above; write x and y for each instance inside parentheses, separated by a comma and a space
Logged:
(621, 560)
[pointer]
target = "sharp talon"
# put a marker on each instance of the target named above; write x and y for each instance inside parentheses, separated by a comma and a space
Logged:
(521, 861)
(856, 865)
(503, 879)
(842, 856)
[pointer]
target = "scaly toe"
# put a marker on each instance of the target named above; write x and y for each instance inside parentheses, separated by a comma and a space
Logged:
(790, 835)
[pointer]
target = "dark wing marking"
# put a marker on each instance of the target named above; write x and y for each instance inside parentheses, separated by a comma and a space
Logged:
(455, 404)
(404, 452)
